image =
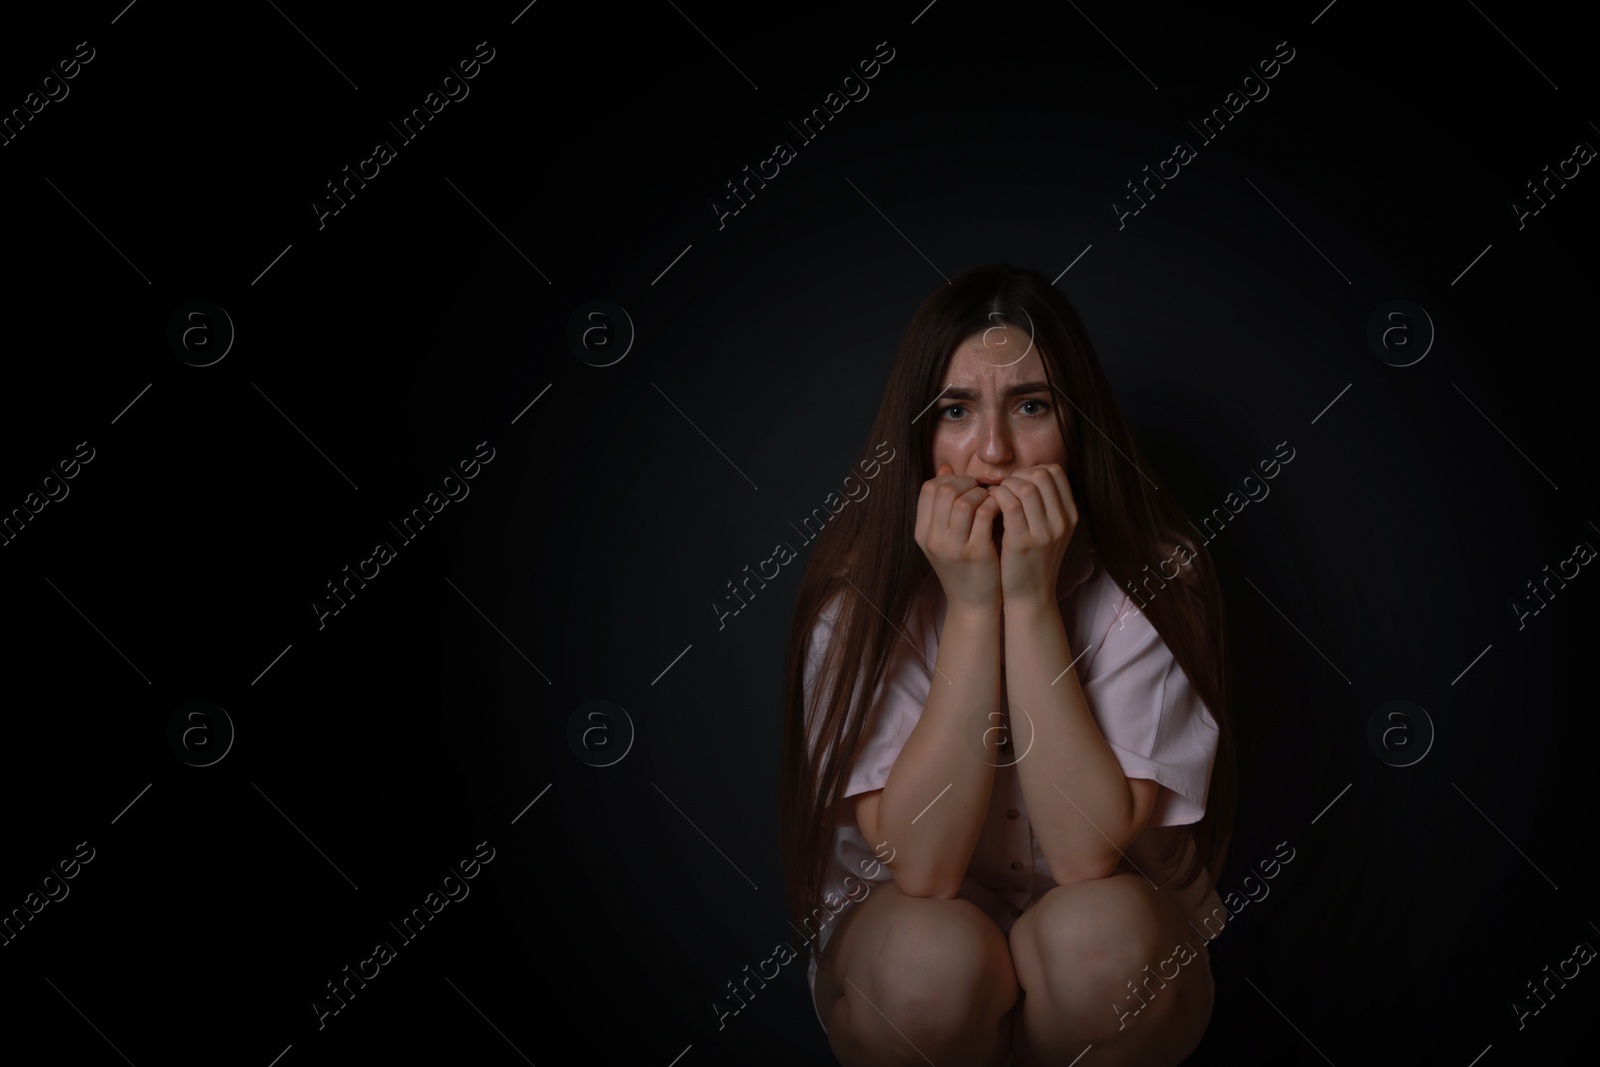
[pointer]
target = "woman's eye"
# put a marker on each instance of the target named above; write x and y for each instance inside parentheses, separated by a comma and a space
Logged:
(944, 412)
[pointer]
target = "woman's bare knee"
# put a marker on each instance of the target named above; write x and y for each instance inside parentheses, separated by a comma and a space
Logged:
(921, 977)
(1095, 956)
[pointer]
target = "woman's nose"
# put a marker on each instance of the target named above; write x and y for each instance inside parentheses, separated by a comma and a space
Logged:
(996, 443)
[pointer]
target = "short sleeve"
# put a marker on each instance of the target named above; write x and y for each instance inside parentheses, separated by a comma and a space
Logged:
(1151, 716)
(896, 706)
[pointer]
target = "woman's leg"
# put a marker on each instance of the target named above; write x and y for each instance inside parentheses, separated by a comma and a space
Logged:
(1113, 964)
(914, 980)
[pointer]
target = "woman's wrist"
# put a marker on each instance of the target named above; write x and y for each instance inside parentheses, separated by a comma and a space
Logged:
(971, 616)
(1021, 611)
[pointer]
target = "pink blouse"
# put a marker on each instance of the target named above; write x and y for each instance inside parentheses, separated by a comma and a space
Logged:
(1141, 700)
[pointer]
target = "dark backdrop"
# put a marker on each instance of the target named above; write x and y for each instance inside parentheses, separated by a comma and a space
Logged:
(374, 748)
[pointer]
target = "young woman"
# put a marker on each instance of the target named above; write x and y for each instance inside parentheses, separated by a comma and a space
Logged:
(1006, 852)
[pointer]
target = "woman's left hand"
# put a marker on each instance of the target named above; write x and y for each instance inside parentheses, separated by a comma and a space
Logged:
(1039, 517)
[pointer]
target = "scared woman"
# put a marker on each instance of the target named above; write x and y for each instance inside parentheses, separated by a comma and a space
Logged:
(995, 852)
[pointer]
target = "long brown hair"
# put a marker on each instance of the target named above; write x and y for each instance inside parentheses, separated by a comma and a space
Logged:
(868, 554)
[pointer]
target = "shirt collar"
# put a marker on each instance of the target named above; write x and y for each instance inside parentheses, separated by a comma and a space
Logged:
(1085, 569)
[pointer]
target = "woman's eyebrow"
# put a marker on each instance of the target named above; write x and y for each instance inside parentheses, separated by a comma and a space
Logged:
(960, 392)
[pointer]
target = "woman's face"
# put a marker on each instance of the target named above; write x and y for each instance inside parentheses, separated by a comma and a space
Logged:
(996, 414)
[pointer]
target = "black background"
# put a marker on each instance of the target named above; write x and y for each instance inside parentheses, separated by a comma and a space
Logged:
(375, 751)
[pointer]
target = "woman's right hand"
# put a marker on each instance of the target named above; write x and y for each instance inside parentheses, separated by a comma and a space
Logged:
(955, 530)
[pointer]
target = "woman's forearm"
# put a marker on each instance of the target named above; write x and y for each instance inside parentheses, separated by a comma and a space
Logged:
(1078, 799)
(933, 806)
